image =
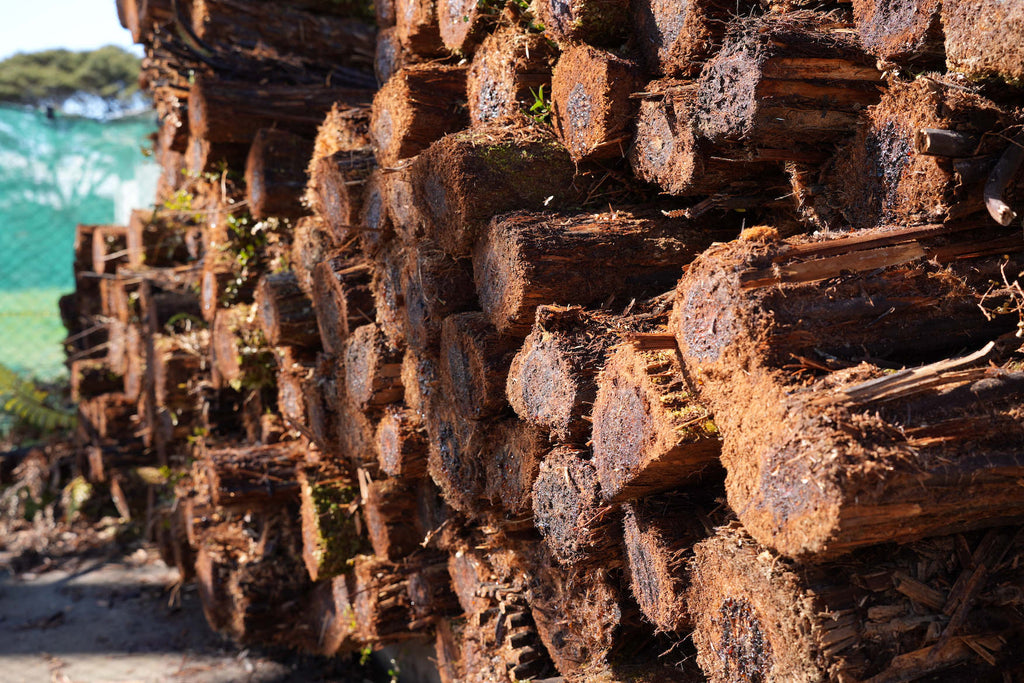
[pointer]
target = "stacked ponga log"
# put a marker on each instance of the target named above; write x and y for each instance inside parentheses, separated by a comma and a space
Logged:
(599, 332)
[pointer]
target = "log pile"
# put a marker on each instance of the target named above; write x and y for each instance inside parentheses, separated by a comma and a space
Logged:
(602, 341)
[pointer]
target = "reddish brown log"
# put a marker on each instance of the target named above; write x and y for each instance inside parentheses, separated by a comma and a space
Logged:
(417, 106)
(464, 23)
(320, 416)
(312, 244)
(877, 616)
(335, 189)
(342, 298)
(293, 380)
(577, 526)
(675, 40)
(578, 616)
(650, 432)
(403, 209)
(382, 607)
(431, 596)
(388, 505)
(233, 111)
(390, 57)
(421, 378)
(285, 312)
(552, 381)
(511, 68)
(388, 297)
(464, 179)
(376, 228)
(801, 475)
(597, 22)
(474, 364)
(283, 30)
(886, 175)
(373, 369)
(901, 33)
(512, 466)
(455, 462)
(416, 24)
(983, 38)
(239, 349)
(659, 533)
(275, 173)
(135, 365)
(343, 129)
(669, 151)
(176, 365)
(519, 263)
(253, 477)
(203, 157)
(434, 286)
(402, 444)
(783, 84)
(591, 108)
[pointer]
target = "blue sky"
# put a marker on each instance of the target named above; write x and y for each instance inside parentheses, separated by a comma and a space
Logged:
(32, 25)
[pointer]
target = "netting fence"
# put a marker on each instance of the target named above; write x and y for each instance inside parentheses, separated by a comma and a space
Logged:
(56, 172)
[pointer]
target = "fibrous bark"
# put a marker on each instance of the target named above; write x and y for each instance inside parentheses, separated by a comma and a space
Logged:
(275, 173)
(418, 105)
(233, 111)
(519, 262)
(781, 84)
(342, 298)
(596, 22)
(373, 369)
(901, 32)
(335, 189)
(650, 432)
(889, 171)
(464, 179)
(283, 30)
(591, 108)
(402, 444)
(434, 286)
(884, 615)
(510, 70)
(474, 364)
(983, 38)
(670, 152)
(285, 312)
(818, 464)
(578, 527)
(676, 39)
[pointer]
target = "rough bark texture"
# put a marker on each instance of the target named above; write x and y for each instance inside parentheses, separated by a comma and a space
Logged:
(285, 312)
(591, 107)
(519, 263)
(817, 465)
(983, 38)
(275, 173)
(417, 106)
(650, 431)
(760, 617)
(464, 179)
(510, 69)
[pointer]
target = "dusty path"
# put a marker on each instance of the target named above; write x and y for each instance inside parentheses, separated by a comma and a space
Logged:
(108, 618)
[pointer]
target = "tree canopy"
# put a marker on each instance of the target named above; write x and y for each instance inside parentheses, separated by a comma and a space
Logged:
(55, 75)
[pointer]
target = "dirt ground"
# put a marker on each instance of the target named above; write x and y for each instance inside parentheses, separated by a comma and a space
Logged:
(114, 615)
